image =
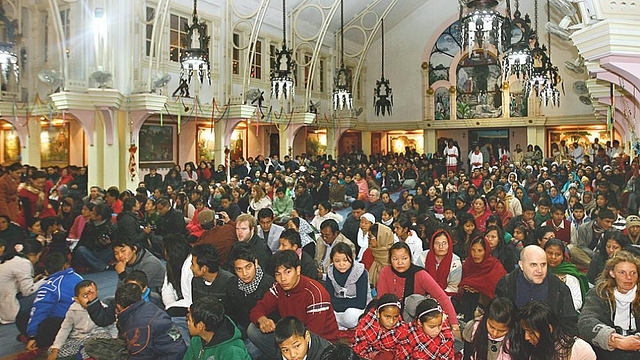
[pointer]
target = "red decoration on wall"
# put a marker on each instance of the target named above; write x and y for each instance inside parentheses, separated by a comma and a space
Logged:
(133, 166)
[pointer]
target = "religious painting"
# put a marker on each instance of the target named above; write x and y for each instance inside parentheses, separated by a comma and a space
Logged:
(158, 144)
(479, 88)
(54, 146)
(442, 104)
(205, 144)
(402, 143)
(11, 146)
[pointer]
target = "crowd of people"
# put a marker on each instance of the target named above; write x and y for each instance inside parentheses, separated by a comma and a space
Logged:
(510, 255)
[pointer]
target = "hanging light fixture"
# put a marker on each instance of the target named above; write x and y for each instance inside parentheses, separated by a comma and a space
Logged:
(284, 68)
(544, 75)
(196, 57)
(482, 26)
(342, 97)
(382, 94)
(8, 58)
(517, 59)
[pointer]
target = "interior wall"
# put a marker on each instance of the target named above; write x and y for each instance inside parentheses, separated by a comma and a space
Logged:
(77, 144)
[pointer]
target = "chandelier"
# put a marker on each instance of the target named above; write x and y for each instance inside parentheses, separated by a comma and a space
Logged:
(383, 95)
(544, 77)
(196, 56)
(517, 58)
(8, 58)
(284, 68)
(482, 26)
(342, 97)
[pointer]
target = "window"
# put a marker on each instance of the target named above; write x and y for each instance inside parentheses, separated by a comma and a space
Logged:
(151, 13)
(177, 37)
(322, 75)
(256, 64)
(307, 71)
(272, 56)
(66, 28)
(236, 54)
(45, 38)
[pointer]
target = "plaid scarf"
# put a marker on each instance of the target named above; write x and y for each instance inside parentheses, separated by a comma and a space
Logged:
(253, 285)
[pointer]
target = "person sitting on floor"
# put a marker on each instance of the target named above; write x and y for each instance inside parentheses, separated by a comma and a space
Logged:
(295, 341)
(77, 327)
(213, 334)
(291, 240)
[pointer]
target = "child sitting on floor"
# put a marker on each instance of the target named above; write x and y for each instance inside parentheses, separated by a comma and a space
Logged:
(381, 334)
(77, 327)
(430, 336)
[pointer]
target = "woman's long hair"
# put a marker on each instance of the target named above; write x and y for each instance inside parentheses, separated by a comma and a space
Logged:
(605, 284)
(176, 251)
(501, 310)
(554, 342)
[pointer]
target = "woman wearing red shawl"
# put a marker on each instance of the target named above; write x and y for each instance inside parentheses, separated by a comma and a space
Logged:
(441, 263)
(503, 212)
(35, 199)
(481, 212)
(480, 275)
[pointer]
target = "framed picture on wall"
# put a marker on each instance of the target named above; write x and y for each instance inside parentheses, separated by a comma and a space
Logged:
(11, 146)
(206, 143)
(158, 144)
(54, 146)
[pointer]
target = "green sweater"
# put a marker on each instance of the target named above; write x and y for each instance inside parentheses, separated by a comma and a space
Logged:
(282, 207)
(226, 344)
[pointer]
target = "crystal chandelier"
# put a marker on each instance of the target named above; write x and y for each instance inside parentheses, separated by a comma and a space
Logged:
(342, 97)
(517, 58)
(482, 26)
(283, 71)
(196, 57)
(383, 95)
(544, 77)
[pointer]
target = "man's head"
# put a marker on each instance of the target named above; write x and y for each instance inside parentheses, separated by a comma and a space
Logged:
(578, 211)
(127, 295)
(225, 201)
(292, 338)
(265, 219)
(557, 213)
(357, 209)
(633, 225)
(290, 240)
(243, 259)
(544, 204)
(112, 195)
(207, 219)
(533, 262)
(245, 227)
(101, 212)
(204, 260)
(528, 212)
(205, 316)
(605, 219)
(139, 278)
(287, 269)
(329, 231)
(125, 251)
(374, 195)
(163, 205)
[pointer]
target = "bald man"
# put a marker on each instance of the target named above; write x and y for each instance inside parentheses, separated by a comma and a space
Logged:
(532, 281)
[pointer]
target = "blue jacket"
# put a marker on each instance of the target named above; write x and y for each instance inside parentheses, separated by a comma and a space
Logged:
(53, 299)
(150, 333)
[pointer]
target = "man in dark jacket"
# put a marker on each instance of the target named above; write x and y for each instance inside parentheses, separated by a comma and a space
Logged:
(127, 223)
(375, 204)
(171, 221)
(532, 281)
(303, 202)
(147, 330)
(246, 232)
(93, 251)
(352, 223)
(153, 180)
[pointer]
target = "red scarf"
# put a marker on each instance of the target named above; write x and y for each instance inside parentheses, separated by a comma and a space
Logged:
(484, 276)
(441, 273)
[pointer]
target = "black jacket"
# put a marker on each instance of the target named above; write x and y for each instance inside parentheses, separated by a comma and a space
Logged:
(560, 298)
(237, 304)
(304, 204)
(128, 226)
(263, 253)
(153, 182)
(171, 223)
